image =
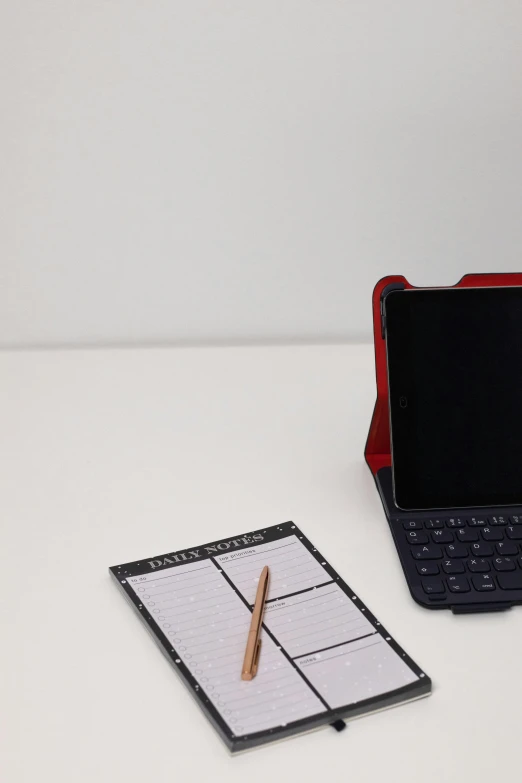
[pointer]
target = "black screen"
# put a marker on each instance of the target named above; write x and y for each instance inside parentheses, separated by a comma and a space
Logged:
(455, 385)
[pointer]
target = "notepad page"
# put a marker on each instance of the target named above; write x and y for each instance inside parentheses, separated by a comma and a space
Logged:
(345, 658)
(207, 623)
(323, 653)
(292, 568)
(350, 673)
(316, 620)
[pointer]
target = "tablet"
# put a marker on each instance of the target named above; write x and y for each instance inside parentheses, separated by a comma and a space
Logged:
(455, 392)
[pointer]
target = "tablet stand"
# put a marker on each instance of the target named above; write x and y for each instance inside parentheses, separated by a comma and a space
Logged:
(378, 451)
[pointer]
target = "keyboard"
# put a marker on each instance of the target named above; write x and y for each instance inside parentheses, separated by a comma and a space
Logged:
(468, 563)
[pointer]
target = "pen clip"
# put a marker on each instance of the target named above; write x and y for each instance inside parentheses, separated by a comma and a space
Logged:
(256, 658)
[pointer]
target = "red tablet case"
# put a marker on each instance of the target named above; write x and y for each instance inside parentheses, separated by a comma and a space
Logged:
(378, 456)
(377, 451)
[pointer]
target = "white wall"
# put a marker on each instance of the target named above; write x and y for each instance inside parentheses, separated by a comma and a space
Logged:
(195, 170)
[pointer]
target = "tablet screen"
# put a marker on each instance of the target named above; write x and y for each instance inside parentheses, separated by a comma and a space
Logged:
(455, 386)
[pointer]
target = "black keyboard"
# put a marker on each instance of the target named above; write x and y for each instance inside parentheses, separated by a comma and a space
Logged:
(467, 562)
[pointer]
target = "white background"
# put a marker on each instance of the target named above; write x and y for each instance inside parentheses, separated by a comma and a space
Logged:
(224, 170)
(113, 456)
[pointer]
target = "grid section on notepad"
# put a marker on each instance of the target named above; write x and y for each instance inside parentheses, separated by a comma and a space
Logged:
(207, 624)
(316, 620)
(292, 568)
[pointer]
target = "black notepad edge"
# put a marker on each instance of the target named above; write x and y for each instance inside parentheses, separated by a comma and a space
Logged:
(410, 692)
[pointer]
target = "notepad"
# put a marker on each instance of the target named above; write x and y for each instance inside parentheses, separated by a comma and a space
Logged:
(324, 656)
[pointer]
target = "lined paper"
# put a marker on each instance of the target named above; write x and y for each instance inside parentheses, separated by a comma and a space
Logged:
(357, 671)
(319, 622)
(292, 568)
(315, 620)
(207, 623)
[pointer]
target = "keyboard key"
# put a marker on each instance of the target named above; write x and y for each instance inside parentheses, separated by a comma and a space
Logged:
(414, 537)
(412, 524)
(427, 569)
(478, 565)
(432, 585)
(442, 536)
(458, 584)
(457, 550)
(455, 522)
(516, 519)
(507, 548)
(427, 552)
(492, 534)
(467, 535)
(497, 521)
(433, 524)
(510, 581)
(504, 564)
(481, 549)
(514, 533)
(453, 566)
(483, 582)
(477, 521)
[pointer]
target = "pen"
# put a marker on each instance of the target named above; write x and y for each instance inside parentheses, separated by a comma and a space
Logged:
(253, 646)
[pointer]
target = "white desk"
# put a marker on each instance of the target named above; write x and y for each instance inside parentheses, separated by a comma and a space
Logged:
(200, 444)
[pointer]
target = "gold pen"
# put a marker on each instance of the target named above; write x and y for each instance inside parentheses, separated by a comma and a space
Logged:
(253, 646)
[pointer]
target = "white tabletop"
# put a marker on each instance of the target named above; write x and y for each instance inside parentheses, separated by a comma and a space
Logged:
(110, 456)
